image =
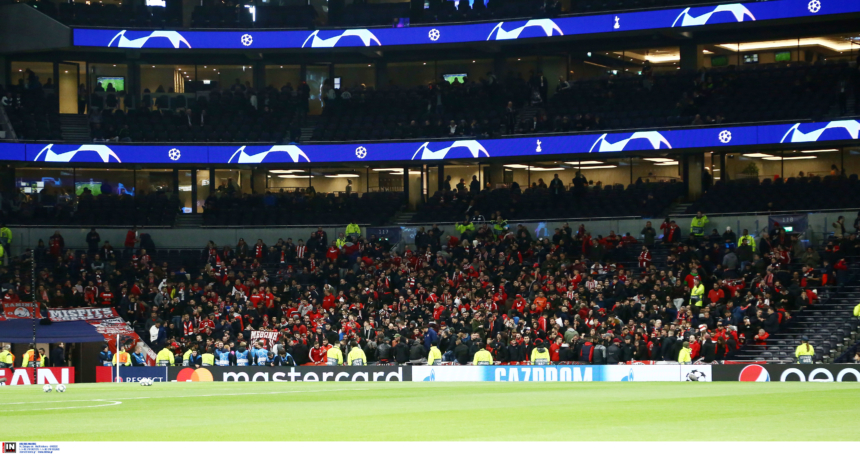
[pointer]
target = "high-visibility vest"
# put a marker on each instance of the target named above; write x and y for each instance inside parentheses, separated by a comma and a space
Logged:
(356, 357)
(208, 359)
(124, 359)
(334, 357)
(540, 359)
(803, 354)
(483, 358)
(435, 356)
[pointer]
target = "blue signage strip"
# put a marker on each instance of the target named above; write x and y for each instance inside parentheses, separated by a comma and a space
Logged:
(519, 147)
(464, 33)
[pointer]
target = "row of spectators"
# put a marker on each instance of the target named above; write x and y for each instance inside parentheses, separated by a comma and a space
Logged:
(575, 291)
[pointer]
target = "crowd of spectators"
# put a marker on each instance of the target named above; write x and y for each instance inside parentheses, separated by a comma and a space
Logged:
(32, 106)
(550, 199)
(299, 206)
(798, 193)
(590, 298)
(487, 107)
(53, 205)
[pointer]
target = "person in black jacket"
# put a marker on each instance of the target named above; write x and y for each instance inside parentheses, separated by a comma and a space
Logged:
(613, 352)
(516, 352)
(667, 345)
(58, 355)
(417, 353)
(461, 352)
(384, 351)
(709, 349)
(656, 349)
(401, 350)
(627, 350)
(771, 323)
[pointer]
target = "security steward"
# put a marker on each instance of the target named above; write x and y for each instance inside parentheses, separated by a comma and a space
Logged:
(30, 360)
(684, 356)
(164, 357)
(697, 293)
(540, 354)
(123, 358)
(697, 226)
(749, 239)
(804, 352)
(482, 356)
(434, 358)
(208, 358)
(857, 310)
(356, 355)
(190, 357)
(7, 359)
(334, 357)
(353, 230)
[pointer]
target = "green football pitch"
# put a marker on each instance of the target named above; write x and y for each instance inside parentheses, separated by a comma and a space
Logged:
(434, 411)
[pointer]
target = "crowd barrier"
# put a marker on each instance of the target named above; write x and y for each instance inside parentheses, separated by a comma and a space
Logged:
(553, 373)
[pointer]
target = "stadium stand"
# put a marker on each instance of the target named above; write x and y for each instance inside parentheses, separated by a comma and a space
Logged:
(49, 207)
(577, 292)
(479, 108)
(537, 202)
(793, 193)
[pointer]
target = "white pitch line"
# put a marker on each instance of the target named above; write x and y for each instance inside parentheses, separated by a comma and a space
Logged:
(112, 403)
(245, 394)
(179, 397)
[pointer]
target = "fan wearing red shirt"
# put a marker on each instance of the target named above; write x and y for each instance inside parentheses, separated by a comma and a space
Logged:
(553, 349)
(106, 296)
(716, 294)
(519, 306)
(332, 252)
(761, 337)
(317, 353)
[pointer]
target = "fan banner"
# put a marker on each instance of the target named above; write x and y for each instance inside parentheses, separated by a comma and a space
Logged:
(19, 310)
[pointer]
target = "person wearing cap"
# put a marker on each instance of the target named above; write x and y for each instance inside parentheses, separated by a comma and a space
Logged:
(434, 358)
(540, 354)
(356, 355)
(334, 357)
(804, 352)
(685, 355)
(482, 356)
(613, 352)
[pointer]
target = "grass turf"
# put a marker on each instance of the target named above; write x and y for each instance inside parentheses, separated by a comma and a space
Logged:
(435, 411)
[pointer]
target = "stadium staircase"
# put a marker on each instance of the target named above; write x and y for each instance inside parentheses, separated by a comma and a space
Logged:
(402, 217)
(829, 324)
(678, 209)
(6, 130)
(75, 128)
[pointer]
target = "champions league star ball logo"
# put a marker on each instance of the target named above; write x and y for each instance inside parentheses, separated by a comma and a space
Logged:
(174, 154)
(475, 149)
(244, 158)
(47, 154)
(366, 37)
(174, 37)
(434, 35)
(247, 40)
(361, 152)
(725, 136)
(795, 135)
(738, 10)
(547, 25)
(814, 6)
(654, 138)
